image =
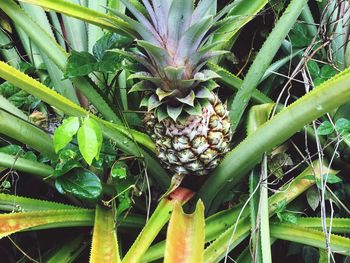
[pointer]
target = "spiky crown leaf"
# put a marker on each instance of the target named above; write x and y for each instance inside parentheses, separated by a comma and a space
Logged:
(175, 35)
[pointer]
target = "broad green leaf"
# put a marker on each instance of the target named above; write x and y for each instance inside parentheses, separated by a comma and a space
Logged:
(342, 125)
(88, 142)
(185, 236)
(325, 128)
(314, 69)
(80, 64)
(104, 246)
(118, 170)
(109, 41)
(81, 183)
(98, 132)
(64, 133)
(64, 167)
(12, 149)
(109, 63)
(299, 35)
(328, 71)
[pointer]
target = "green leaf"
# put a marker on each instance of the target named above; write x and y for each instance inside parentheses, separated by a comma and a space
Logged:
(299, 35)
(88, 143)
(64, 167)
(342, 125)
(80, 183)
(140, 86)
(203, 93)
(64, 134)
(153, 102)
(7, 89)
(109, 63)
(314, 69)
(189, 99)
(98, 132)
(12, 149)
(6, 184)
(161, 114)
(332, 178)
(328, 71)
(80, 64)
(206, 75)
(325, 128)
(119, 170)
(24, 100)
(109, 41)
(174, 112)
(313, 198)
(163, 94)
(195, 110)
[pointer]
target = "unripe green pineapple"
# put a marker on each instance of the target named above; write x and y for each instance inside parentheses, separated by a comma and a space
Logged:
(186, 119)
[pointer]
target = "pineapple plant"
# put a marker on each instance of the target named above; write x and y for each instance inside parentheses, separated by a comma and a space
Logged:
(186, 119)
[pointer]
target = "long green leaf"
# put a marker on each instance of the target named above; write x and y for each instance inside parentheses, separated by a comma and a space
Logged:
(83, 13)
(64, 87)
(310, 237)
(125, 138)
(15, 222)
(222, 221)
(238, 232)
(329, 95)
(8, 106)
(69, 251)
(104, 246)
(264, 59)
(53, 51)
(244, 11)
(159, 218)
(51, 97)
(24, 165)
(24, 204)
(26, 133)
(235, 83)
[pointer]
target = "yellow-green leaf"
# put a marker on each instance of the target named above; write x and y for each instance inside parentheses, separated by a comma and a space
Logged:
(185, 236)
(15, 222)
(88, 143)
(64, 134)
(104, 240)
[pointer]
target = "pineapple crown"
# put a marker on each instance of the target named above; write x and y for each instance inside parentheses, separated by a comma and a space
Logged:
(175, 36)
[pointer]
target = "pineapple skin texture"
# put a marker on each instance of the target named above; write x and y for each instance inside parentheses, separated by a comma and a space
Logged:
(195, 147)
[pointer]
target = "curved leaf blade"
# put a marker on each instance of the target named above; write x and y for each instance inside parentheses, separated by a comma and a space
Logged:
(104, 246)
(185, 236)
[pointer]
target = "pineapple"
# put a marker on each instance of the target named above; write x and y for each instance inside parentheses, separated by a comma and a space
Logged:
(186, 119)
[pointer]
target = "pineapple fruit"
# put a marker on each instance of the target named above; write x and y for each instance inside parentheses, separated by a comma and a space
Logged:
(186, 119)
